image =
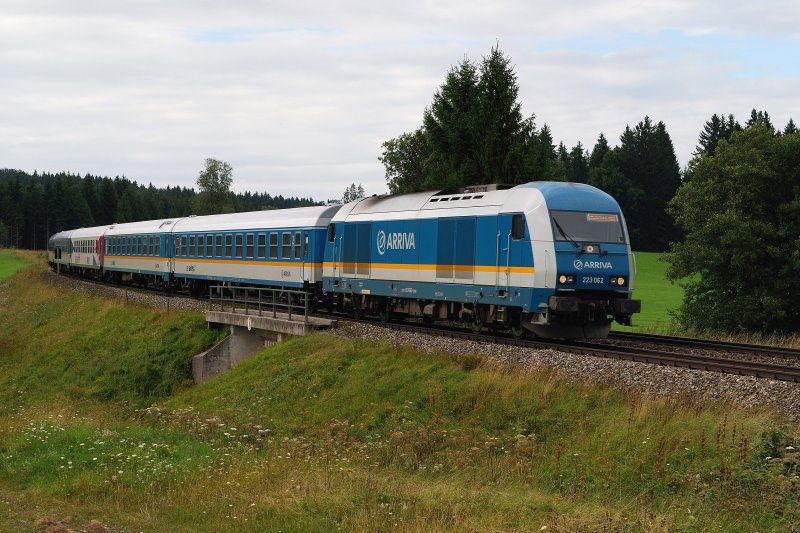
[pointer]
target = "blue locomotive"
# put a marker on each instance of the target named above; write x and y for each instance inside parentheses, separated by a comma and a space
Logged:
(550, 258)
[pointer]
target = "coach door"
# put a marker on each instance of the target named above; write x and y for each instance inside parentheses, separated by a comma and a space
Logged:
(306, 270)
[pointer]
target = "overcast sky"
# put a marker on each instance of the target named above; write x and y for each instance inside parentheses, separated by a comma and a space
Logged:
(298, 96)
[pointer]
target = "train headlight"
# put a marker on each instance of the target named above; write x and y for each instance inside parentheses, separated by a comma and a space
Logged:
(618, 281)
(566, 279)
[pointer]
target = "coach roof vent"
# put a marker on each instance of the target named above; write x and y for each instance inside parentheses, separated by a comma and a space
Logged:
(471, 189)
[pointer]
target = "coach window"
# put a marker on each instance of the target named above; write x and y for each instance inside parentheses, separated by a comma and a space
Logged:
(273, 245)
(262, 245)
(239, 245)
(184, 249)
(331, 232)
(228, 245)
(517, 227)
(218, 246)
(191, 250)
(209, 245)
(286, 246)
(249, 245)
(298, 245)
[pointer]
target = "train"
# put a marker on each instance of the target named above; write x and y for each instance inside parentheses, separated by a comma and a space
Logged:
(547, 259)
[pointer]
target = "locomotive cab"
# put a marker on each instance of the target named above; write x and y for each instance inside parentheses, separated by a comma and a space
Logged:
(593, 274)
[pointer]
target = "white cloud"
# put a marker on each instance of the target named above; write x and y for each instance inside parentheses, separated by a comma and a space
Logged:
(299, 96)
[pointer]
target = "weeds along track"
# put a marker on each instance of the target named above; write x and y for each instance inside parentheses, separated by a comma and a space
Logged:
(682, 356)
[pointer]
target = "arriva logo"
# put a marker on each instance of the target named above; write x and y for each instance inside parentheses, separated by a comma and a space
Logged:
(395, 241)
(578, 264)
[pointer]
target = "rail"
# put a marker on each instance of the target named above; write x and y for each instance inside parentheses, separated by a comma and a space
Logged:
(261, 300)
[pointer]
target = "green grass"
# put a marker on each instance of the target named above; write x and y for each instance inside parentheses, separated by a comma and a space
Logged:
(659, 297)
(323, 433)
(9, 264)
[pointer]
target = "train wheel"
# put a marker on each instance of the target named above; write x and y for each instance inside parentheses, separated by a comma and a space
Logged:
(477, 320)
(517, 330)
(384, 313)
(357, 312)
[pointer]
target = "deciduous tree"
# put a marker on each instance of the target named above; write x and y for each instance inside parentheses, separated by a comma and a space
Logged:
(741, 215)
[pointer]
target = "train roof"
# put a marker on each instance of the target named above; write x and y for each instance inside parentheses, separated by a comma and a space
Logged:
(163, 225)
(482, 200)
(297, 217)
(88, 233)
(62, 234)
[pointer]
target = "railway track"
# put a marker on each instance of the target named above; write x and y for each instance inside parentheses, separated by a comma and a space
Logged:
(631, 353)
(599, 349)
(730, 347)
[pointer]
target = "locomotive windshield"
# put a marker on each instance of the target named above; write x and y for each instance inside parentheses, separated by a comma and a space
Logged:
(580, 226)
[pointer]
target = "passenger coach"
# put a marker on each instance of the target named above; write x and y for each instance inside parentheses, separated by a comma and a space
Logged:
(281, 248)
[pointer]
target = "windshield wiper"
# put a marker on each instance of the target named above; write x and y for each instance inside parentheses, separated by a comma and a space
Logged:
(564, 233)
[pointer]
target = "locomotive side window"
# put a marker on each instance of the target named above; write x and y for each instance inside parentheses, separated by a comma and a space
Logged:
(331, 232)
(286, 246)
(273, 245)
(517, 227)
(262, 245)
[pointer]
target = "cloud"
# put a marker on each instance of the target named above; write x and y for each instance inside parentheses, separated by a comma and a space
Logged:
(299, 96)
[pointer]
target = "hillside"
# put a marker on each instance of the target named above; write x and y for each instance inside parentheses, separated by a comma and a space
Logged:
(98, 420)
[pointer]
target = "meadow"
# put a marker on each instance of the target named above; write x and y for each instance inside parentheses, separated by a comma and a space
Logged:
(9, 264)
(99, 420)
(659, 297)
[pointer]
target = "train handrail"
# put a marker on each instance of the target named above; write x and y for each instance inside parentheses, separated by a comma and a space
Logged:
(259, 299)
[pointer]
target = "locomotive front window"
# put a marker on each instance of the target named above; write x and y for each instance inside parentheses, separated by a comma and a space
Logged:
(582, 226)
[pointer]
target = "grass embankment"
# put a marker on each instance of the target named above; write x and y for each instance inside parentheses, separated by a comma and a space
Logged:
(10, 263)
(323, 433)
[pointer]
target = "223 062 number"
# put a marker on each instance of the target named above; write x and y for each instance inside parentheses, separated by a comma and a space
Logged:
(592, 280)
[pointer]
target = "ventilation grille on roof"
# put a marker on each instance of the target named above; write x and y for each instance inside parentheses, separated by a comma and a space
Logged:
(471, 189)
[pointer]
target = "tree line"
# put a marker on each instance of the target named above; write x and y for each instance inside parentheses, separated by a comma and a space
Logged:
(35, 206)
